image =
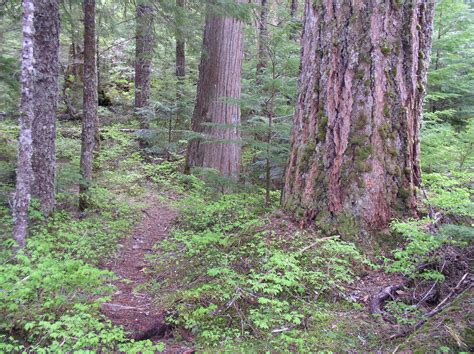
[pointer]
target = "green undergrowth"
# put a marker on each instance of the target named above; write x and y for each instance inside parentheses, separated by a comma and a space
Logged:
(239, 277)
(51, 292)
(235, 282)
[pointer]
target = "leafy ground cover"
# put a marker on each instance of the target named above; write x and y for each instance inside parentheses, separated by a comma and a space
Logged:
(233, 273)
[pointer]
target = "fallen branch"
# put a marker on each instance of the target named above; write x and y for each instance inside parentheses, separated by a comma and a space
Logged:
(319, 240)
(440, 307)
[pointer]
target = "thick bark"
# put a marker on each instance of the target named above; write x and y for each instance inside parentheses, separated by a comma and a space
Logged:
(355, 143)
(90, 121)
(219, 82)
(143, 57)
(180, 62)
(46, 52)
(24, 176)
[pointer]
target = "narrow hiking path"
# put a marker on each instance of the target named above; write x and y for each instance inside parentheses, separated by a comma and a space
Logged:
(130, 306)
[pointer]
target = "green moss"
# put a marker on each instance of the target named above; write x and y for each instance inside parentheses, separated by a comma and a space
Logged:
(361, 122)
(322, 128)
(392, 151)
(359, 75)
(358, 140)
(347, 226)
(384, 131)
(363, 152)
(404, 193)
(407, 171)
(385, 49)
(386, 110)
(367, 83)
(394, 170)
(307, 153)
(363, 166)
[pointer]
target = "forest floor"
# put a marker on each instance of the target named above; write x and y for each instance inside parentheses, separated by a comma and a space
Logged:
(179, 266)
(131, 306)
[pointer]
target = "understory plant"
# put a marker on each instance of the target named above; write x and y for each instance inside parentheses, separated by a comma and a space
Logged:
(240, 281)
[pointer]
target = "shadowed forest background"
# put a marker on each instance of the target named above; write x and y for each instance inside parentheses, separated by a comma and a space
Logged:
(236, 176)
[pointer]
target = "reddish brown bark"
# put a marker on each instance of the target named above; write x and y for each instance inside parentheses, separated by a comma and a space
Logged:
(219, 82)
(24, 176)
(355, 142)
(46, 52)
(90, 121)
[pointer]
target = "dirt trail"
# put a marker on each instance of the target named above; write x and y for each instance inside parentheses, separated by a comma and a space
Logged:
(131, 308)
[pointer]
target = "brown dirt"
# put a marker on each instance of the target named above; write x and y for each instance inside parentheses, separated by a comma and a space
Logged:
(131, 306)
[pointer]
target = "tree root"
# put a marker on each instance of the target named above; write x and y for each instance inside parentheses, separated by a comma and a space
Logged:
(377, 300)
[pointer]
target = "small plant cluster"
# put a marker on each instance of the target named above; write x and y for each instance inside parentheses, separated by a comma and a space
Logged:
(452, 193)
(240, 282)
(418, 247)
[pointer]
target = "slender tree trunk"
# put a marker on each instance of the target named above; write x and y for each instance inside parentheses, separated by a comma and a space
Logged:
(180, 62)
(143, 57)
(90, 121)
(262, 39)
(219, 81)
(293, 9)
(46, 52)
(24, 176)
(355, 143)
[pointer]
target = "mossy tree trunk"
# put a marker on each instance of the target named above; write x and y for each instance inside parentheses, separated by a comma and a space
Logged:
(24, 176)
(216, 117)
(90, 122)
(46, 52)
(355, 143)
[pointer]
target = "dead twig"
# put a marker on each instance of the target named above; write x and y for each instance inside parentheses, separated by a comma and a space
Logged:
(457, 290)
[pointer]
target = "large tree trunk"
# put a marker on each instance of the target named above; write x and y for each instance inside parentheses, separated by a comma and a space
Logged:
(180, 61)
(46, 52)
(355, 144)
(24, 176)
(90, 121)
(219, 82)
(143, 57)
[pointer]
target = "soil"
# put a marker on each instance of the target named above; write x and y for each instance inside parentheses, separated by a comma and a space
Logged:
(131, 306)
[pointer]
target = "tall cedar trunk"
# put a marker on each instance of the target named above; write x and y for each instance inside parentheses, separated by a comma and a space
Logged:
(262, 39)
(180, 62)
(143, 56)
(24, 176)
(46, 52)
(355, 144)
(90, 121)
(219, 81)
